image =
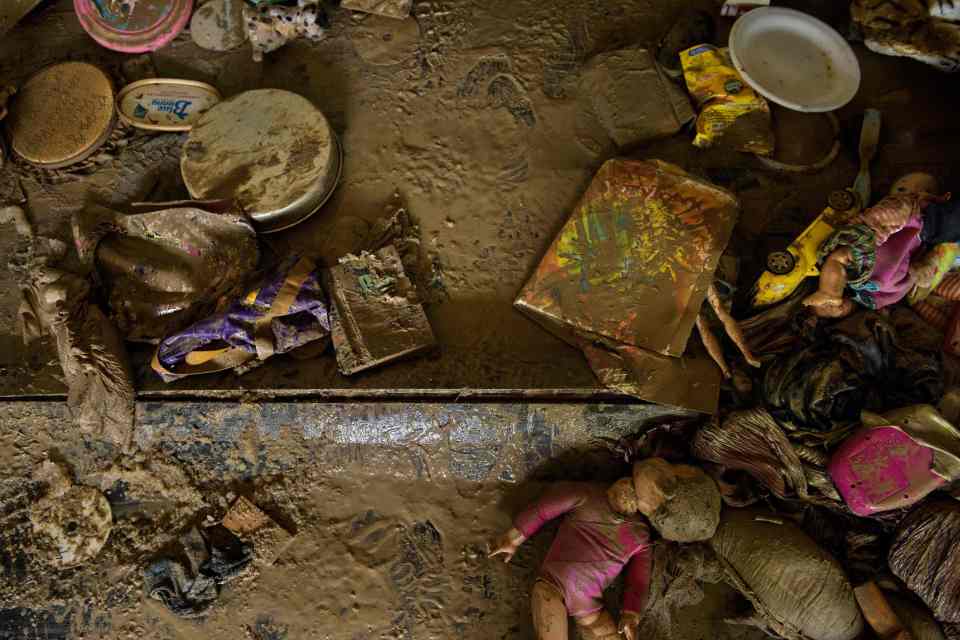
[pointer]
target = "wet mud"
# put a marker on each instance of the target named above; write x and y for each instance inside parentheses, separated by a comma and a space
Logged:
(477, 127)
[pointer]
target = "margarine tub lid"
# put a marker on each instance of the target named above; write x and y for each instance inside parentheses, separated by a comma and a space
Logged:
(61, 114)
(165, 104)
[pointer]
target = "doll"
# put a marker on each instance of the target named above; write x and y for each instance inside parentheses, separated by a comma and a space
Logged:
(882, 254)
(604, 531)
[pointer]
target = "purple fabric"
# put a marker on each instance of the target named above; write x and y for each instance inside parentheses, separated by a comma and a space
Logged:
(891, 273)
(306, 320)
(592, 547)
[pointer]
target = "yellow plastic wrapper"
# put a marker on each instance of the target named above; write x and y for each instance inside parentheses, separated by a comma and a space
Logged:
(731, 113)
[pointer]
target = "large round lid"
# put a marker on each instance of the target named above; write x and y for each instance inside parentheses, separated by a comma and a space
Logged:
(271, 150)
(133, 26)
(794, 59)
(61, 115)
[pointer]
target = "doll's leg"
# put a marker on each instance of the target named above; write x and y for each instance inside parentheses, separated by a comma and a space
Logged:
(828, 299)
(549, 612)
(598, 626)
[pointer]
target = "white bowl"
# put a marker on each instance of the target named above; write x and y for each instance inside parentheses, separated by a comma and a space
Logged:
(794, 59)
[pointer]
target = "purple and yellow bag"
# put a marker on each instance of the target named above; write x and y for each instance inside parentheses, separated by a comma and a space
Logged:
(286, 310)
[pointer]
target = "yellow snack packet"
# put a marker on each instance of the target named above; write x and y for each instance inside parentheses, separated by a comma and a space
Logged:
(731, 113)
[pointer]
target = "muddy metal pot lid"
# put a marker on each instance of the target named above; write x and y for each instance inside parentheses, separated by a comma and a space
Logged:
(61, 114)
(271, 150)
(133, 26)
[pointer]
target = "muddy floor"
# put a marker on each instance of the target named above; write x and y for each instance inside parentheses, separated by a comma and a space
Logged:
(392, 506)
(476, 125)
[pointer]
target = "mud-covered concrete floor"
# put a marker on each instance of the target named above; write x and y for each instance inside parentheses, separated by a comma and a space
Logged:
(393, 503)
(392, 506)
(491, 181)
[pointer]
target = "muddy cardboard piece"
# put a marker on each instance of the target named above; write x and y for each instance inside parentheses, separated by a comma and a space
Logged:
(376, 312)
(626, 276)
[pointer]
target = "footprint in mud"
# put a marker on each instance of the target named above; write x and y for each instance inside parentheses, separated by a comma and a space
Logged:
(562, 67)
(505, 91)
(480, 74)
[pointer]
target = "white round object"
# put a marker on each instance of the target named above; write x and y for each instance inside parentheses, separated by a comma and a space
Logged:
(794, 59)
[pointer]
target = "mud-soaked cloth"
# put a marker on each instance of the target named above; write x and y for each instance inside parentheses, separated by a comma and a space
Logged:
(190, 586)
(100, 395)
(592, 547)
(752, 441)
(287, 309)
(799, 591)
(925, 554)
(631, 267)
(845, 367)
(677, 574)
(165, 268)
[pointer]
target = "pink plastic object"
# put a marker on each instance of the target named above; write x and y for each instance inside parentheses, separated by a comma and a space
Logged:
(882, 468)
(133, 26)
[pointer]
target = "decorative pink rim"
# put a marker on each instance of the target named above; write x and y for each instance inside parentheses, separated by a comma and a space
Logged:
(133, 41)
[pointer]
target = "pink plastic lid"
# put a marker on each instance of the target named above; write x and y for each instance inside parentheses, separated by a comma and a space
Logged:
(133, 26)
(882, 468)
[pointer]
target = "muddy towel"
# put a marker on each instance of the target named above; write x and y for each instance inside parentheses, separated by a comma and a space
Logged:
(285, 310)
(165, 269)
(797, 588)
(925, 554)
(630, 269)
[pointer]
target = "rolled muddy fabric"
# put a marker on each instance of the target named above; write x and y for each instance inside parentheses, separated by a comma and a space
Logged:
(164, 269)
(752, 441)
(799, 589)
(925, 554)
(96, 370)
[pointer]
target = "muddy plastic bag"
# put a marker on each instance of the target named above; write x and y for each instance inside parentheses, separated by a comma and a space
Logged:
(285, 310)
(168, 265)
(731, 113)
(925, 554)
(798, 589)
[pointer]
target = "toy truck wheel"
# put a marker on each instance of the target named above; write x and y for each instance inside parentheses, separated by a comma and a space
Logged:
(780, 263)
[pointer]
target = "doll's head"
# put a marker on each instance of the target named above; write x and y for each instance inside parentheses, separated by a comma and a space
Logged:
(916, 183)
(681, 502)
(622, 497)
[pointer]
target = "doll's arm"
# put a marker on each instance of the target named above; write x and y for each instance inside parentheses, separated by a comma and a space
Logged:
(828, 300)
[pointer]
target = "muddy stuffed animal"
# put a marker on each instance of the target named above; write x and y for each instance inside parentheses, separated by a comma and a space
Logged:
(271, 27)
(604, 531)
(798, 590)
(881, 255)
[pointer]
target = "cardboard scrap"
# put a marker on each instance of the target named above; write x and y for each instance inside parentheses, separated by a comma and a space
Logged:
(249, 523)
(632, 99)
(376, 312)
(398, 9)
(627, 274)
